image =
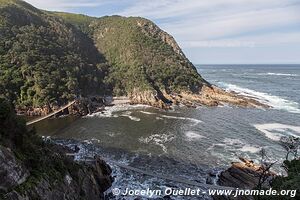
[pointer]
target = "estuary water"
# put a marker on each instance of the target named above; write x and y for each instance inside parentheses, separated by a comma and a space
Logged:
(188, 143)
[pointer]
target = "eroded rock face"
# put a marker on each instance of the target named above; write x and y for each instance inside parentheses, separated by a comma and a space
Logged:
(12, 172)
(149, 97)
(243, 175)
(208, 96)
(89, 183)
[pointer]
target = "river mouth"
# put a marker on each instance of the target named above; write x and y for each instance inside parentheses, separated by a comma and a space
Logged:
(187, 143)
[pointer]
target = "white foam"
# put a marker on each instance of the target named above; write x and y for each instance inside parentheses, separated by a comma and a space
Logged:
(276, 102)
(112, 110)
(249, 148)
(128, 114)
(158, 139)
(192, 136)
(147, 113)
(275, 131)
(236, 145)
(196, 121)
(278, 74)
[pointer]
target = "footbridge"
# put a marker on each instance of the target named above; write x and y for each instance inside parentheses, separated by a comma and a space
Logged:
(51, 114)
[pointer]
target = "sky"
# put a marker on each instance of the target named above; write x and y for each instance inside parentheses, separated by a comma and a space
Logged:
(211, 31)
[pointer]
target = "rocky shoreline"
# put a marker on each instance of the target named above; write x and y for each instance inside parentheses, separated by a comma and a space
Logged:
(209, 96)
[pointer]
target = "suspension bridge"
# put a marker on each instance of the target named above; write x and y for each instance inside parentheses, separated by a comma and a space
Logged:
(130, 168)
(51, 114)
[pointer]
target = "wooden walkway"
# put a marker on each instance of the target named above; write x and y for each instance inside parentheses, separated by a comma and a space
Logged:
(50, 115)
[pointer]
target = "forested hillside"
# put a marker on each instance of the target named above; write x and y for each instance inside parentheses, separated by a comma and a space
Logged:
(44, 60)
(49, 58)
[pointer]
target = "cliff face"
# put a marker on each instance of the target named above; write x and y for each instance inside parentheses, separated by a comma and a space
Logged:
(33, 169)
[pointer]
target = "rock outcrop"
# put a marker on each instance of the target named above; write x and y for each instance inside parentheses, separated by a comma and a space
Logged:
(12, 173)
(88, 181)
(208, 96)
(31, 168)
(243, 175)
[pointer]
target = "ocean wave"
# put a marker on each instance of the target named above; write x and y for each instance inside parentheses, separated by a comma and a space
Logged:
(275, 131)
(236, 144)
(160, 116)
(196, 121)
(147, 113)
(276, 102)
(128, 114)
(277, 74)
(116, 111)
(192, 136)
(158, 139)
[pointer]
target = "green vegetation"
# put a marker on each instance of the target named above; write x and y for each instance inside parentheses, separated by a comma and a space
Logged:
(139, 57)
(292, 181)
(291, 165)
(43, 160)
(43, 60)
(82, 22)
(50, 58)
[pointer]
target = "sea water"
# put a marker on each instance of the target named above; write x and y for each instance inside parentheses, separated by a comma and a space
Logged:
(185, 142)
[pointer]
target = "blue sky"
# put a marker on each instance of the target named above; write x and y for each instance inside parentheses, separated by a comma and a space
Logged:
(211, 31)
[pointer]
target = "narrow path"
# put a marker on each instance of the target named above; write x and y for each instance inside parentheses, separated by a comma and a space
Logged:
(50, 115)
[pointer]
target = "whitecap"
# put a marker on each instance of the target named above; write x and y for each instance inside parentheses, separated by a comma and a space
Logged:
(278, 74)
(112, 110)
(158, 139)
(230, 144)
(128, 114)
(275, 102)
(192, 136)
(147, 113)
(275, 131)
(196, 121)
(249, 148)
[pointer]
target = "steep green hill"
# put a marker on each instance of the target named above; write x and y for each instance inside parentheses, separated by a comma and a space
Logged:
(44, 60)
(143, 56)
(49, 58)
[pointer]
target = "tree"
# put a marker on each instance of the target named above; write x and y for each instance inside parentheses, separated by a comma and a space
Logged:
(291, 144)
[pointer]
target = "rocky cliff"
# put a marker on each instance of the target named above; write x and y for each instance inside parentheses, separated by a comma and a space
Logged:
(34, 169)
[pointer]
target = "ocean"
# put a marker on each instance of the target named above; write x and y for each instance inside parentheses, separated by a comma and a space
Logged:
(189, 143)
